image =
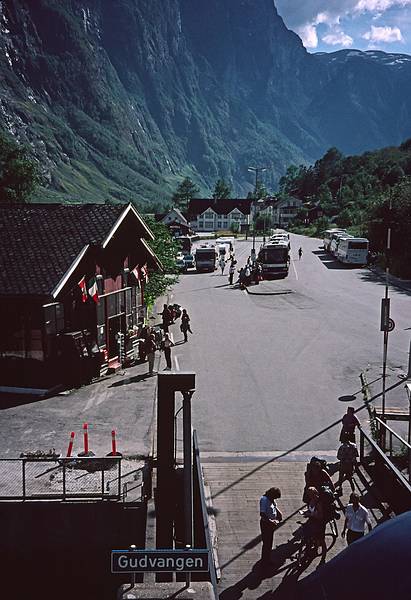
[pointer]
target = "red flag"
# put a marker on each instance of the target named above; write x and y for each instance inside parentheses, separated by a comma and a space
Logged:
(82, 286)
(93, 289)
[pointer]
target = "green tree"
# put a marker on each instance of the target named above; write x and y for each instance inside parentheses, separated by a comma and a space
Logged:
(165, 248)
(186, 190)
(221, 190)
(18, 173)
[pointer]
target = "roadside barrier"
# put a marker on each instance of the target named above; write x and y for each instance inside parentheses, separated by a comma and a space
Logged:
(85, 433)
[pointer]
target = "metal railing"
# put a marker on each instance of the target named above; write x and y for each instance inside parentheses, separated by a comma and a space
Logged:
(384, 431)
(45, 478)
(396, 490)
(204, 514)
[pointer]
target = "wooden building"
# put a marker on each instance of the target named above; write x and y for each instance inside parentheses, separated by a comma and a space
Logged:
(69, 300)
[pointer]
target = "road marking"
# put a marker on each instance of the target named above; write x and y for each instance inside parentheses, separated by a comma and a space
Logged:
(177, 363)
(295, 270)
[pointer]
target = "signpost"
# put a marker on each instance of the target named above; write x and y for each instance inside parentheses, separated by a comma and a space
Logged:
(164, 561)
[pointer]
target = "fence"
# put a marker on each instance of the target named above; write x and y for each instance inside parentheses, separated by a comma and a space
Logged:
(31, 478)
(395, 489)
(394, 446)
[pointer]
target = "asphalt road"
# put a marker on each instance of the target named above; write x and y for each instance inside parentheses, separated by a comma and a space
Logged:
(273, 370)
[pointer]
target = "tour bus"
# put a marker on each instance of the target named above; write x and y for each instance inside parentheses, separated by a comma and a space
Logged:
(352, 250)
(274, 259)
(226, 241)
(186, 243)
(328, 233)
(205, 257)
(335, 240)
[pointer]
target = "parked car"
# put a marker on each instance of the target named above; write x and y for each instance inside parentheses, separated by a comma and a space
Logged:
(189, 261)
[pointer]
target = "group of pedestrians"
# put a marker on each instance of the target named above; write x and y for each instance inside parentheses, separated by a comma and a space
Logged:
(151, 342)
(252, 272)
(319, 497)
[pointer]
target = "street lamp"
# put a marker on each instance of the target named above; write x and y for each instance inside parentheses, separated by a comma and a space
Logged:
(256, 170)
(385, 313)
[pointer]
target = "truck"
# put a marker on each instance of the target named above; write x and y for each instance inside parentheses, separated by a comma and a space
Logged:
(205, 257)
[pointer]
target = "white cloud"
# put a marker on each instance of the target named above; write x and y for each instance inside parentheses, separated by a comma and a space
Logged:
(308, 35)
(386, 35)
(379, 5)
(338, 38)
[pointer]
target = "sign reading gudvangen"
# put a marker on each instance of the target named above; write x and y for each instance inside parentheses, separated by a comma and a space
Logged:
(138, 561)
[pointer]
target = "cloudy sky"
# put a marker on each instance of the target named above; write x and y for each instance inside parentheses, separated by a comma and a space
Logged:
(329, 25)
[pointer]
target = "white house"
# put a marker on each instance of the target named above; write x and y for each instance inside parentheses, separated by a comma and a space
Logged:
(212, 215)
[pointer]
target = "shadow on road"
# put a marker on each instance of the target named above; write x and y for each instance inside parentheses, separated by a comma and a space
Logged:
(379, 278)
(331, 263)
(129, 380)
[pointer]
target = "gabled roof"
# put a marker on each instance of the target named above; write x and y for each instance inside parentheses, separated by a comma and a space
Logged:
(41, 244)
(222, 206)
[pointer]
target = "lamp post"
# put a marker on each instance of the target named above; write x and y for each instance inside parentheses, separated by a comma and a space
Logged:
(256, 170)
(385, 314)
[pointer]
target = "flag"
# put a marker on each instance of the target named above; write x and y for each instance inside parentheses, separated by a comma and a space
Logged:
(136, 273)
(82, 286)
(92, 289)
(144, 273)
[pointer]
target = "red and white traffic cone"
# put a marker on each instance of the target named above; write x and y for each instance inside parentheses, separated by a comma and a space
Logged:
(86, 451)
(114, 445)
(70, 446)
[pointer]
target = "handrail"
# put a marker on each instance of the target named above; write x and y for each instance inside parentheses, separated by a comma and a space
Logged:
(213, 576)
(394, 433)
(401, 479)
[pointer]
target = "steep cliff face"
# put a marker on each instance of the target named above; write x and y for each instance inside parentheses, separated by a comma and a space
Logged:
(120, 99)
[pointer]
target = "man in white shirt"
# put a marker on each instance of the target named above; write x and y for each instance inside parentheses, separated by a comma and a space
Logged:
(270, 516)
(356, 516)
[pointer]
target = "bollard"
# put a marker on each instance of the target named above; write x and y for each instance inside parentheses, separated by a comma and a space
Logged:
(113, 442)
(114, 445)
(70, 446)
(85, 433)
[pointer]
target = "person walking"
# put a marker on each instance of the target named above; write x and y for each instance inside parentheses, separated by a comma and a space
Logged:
(349, 423)
(347, 455)
(300, 253)
(356, 516)
(166, 317)
(166, 346)
(221, 264)
(270, 517)
(231, 272)
(150, 350)
(185, 324)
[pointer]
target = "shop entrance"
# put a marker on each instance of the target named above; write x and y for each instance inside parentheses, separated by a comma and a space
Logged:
(114, 327)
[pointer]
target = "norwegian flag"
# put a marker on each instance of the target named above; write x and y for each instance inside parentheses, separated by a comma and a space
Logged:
(83, 287)
(144, 273)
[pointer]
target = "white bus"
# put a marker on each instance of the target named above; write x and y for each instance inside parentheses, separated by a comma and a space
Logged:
(352, 250)
(274, 259)
(335, 240)
(328, 237)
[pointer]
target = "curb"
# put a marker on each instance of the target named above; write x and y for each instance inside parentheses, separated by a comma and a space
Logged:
(392, 280)
(280, 293)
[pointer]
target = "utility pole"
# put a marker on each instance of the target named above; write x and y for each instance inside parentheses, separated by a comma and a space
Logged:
(256, 170)
(385, 312)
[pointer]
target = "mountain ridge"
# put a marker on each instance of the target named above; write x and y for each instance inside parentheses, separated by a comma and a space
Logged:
(119, 100)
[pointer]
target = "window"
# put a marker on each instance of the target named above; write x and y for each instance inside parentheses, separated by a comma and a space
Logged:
(53, 318)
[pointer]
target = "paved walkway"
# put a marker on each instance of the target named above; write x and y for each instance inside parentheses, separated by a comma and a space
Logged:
(236, 487)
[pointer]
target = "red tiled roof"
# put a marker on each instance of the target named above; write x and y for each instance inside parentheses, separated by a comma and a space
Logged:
(221, 206)
(39, 242)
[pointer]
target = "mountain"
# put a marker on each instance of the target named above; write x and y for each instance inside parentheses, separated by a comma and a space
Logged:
(120, 99)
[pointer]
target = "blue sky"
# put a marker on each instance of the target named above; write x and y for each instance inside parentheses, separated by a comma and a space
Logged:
(330, 25)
